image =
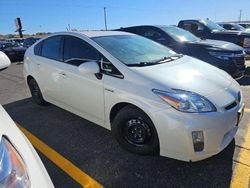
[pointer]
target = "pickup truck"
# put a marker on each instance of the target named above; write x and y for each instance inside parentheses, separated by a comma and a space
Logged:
(206, 29)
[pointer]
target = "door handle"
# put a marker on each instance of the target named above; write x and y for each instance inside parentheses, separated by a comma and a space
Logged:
(38, 65)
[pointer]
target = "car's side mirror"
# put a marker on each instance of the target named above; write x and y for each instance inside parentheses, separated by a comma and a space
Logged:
(90, 67)
(4, 61)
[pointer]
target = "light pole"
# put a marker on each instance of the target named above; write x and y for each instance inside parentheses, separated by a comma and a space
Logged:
(105, 18)
(240, 16)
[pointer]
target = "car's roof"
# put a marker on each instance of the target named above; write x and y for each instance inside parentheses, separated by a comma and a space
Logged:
(152, 26)
(227, 23)
(191, 20)
(91, 34)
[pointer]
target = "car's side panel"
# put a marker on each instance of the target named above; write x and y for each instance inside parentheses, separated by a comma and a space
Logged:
(83, 92)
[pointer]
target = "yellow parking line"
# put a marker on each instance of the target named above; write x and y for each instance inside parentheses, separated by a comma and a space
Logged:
(241, 173)
(247, 110)
(68, 167)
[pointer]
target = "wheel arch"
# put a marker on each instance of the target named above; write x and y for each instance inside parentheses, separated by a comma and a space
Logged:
(118, 106)
(28, 78)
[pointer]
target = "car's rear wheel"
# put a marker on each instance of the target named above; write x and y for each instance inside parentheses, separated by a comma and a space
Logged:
(36, 92)
(135, 132)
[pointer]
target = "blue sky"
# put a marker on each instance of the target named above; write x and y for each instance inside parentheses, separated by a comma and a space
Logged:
(55, 15)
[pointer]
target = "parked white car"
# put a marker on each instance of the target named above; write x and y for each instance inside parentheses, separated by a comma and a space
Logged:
(4, 61)
(20, 165)
(152, 99)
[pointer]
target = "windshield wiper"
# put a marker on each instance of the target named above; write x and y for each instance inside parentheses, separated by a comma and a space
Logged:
(158, 61)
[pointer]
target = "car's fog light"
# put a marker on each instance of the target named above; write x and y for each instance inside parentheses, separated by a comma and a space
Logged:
(198, 140)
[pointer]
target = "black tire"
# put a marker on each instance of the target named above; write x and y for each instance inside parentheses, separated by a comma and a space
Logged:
(135, 131)
(36, 92)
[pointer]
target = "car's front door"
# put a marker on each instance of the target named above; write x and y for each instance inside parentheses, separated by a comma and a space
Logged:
(83, 93)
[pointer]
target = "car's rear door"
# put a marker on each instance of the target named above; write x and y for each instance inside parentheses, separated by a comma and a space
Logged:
(48, 58)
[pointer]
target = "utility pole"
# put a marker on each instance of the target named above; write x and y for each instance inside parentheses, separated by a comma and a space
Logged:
(240, 16)
(105, 18)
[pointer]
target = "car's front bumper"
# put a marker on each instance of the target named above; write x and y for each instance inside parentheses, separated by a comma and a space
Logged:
(247, 50)
(235, 67)
(175, 132)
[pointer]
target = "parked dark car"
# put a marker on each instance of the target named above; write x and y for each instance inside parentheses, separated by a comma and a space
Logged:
(13, 51)
(207, 29)
(245, 25)
(232, 26)
(29, 41)
(224, 55)
(17, 41)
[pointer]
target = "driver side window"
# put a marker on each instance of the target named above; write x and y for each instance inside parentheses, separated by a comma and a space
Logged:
(76, 51)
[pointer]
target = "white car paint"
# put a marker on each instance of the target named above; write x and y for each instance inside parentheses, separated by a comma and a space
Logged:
(93, 99)
(36, 171)
(4, 61)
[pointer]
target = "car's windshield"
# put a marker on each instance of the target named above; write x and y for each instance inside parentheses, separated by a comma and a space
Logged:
(133, 49)
(247, 26)
(239, 27)
(211, 25)
(179, 34)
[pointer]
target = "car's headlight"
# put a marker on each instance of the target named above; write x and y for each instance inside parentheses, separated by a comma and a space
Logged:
(221, 55)
(13, 172)
(186, 101)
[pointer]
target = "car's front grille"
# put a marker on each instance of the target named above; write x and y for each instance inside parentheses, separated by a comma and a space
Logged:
(239, 61)
(230, 106)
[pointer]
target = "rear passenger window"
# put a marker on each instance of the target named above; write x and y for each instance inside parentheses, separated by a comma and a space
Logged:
(51, 48)
(77, 51)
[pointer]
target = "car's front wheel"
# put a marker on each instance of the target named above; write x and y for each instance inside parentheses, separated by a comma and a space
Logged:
(36, 92)
(135, 132)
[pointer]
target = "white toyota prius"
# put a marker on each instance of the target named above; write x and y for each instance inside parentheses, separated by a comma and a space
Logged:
(152, 99)
(20, 165)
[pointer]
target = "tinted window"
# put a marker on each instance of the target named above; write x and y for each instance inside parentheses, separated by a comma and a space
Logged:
(38, 48)
(52, 48)
(76, 51)
(152, 34)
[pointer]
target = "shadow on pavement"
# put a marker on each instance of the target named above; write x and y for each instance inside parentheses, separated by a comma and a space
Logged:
(93, 150)
(245, 81)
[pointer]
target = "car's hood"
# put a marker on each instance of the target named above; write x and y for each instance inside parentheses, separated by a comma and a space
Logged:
(218, 45)
(188, 74)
